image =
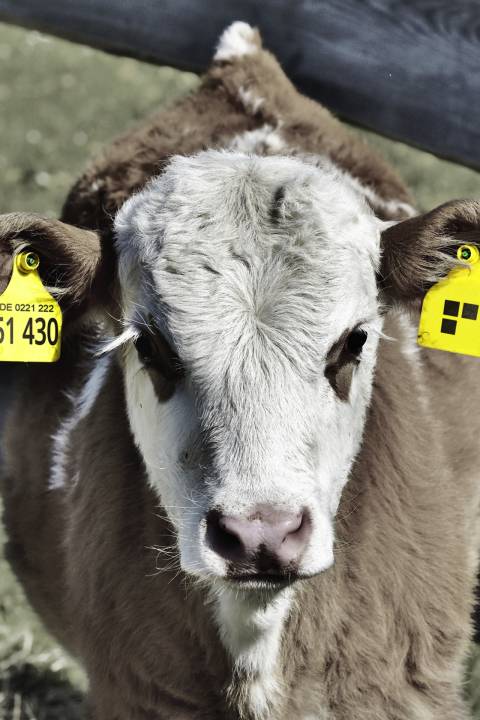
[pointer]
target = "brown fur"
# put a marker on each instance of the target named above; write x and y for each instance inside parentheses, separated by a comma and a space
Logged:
(382, 634)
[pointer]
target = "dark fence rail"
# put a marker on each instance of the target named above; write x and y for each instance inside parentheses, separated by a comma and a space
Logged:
(409, 69)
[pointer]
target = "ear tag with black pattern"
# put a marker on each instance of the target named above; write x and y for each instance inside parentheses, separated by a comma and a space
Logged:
(30, 318)
(450, 318)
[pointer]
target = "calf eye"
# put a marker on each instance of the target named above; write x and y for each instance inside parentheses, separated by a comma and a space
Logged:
(355, 342)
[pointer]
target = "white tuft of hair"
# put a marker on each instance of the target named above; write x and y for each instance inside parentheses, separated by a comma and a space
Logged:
(237, 40)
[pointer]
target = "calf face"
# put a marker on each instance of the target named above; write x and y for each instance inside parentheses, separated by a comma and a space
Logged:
(249, 292)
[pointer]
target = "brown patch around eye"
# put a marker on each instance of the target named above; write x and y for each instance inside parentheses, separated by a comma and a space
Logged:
(341, 363)
(164, 389)
(161, 362)
(339, 376)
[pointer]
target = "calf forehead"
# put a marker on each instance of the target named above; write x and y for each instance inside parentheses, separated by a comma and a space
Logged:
(217, 203)
(259, 252)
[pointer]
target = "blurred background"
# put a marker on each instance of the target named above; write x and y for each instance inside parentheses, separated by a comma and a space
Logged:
(59, 103)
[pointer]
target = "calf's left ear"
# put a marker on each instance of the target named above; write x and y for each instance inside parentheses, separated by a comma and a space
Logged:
(420, 251)
(70, 258)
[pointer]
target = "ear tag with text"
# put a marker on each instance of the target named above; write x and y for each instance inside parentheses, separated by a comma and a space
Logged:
(30, 318)
(450, 318)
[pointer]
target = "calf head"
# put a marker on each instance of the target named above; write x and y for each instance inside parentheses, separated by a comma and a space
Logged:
(252, 293)
(250, 287)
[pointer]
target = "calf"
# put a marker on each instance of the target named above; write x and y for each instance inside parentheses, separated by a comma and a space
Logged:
(244, 492)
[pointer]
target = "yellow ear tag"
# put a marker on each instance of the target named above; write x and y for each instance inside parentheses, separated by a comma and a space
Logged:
(450, 318)
(30, 319)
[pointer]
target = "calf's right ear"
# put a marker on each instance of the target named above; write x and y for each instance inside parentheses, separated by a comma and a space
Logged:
(420, 251)
(70, 258)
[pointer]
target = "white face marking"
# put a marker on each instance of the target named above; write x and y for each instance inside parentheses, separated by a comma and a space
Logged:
(252, 286)
(237, 40)
(163, 433)
(82, 405)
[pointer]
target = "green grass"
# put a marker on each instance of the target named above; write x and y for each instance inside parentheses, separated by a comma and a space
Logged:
(58, 104)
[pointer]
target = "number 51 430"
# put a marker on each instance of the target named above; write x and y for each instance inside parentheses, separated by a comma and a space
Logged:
(37, 331)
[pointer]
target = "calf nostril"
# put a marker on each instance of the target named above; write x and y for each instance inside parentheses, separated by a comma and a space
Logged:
(222, 540)
(297, 524)
(293, 524)
(296, 539)
(278, 527)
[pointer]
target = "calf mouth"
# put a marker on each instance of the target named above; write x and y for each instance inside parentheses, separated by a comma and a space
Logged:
(271, 581)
